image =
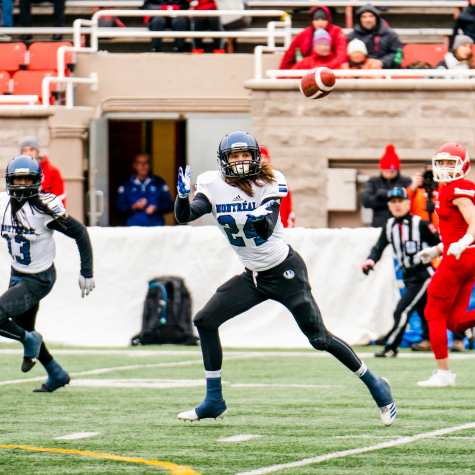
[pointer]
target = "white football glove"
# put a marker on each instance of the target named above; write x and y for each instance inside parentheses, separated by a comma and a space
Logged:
(456, 248)
(261, 212)
(429, 254)
(86, 284)
(184, 182)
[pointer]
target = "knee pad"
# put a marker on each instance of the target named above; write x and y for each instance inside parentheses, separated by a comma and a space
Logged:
(322, 341)
(206, 319)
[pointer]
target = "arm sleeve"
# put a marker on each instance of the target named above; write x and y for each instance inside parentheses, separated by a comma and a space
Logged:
(74, 229)
(265, 227)
(464, 190)
(340, 47)
(394, 45)
(186, 212)
(380, 246)
(289, 57)
(428, 233)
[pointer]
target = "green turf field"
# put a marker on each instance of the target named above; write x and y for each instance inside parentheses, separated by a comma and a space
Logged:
(136, 418)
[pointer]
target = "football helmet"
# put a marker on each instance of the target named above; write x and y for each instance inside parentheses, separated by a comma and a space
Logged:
(23, 166)
(450, 151)
(239, 141)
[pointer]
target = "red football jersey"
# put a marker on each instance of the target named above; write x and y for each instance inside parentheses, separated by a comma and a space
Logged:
(452, 224)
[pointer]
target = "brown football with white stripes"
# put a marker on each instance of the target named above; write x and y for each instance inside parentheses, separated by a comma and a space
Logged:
(318, 83)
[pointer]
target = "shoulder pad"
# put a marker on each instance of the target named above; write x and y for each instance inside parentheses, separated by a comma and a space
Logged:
(208, 177)
(280, 178)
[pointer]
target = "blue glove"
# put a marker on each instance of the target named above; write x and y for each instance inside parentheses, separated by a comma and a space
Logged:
(260, 213)
(184, 182)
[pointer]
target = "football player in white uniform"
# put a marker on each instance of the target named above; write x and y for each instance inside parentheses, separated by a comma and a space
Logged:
(244, 198)
(29, 219)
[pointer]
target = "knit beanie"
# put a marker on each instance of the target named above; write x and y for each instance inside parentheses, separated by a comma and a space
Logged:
(356, 45)
(29, 140)
(264, 152)
(390, 160)
(319, 14)
(321, 35)
(460, 40)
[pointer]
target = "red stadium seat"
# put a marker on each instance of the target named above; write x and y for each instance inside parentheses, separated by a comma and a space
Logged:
(29, 82)
(44, 56)
(432, 53)
(4, 82)
(12, 56)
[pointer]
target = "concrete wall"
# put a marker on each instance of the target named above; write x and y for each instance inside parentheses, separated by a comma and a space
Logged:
(352, 126)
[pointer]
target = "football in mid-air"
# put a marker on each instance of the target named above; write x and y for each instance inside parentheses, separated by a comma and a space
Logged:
(318, 83)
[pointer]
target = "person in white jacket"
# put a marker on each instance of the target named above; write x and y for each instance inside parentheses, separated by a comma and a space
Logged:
(460, 57)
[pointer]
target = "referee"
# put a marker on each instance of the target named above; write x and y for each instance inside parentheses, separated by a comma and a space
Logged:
(408, 234)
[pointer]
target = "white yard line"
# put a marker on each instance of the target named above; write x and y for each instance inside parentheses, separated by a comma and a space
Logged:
(345, 453)
(367, 436)
(77, 435)
(240, 438)
(132, 367)
(285, 386)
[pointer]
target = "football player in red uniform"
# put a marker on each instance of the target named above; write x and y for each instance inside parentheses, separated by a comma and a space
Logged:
(451, 286)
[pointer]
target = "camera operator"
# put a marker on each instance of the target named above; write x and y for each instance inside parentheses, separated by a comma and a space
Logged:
(423, 193)
(407, 234)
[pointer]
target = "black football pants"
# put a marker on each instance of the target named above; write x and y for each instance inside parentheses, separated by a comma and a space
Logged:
(288, 284)
(414, 299)
(20, 303)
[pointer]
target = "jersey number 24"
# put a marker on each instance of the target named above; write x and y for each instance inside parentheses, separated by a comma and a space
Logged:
(230, 228)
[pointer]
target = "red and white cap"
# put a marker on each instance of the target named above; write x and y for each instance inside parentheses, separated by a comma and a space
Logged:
(451, 151)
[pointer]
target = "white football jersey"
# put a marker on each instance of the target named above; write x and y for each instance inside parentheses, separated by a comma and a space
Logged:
(34, 251)
(230, 208)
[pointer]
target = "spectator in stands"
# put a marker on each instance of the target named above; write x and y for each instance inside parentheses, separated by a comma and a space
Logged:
(322, 53)
(53, 181)
(200, 23)
(58, 16)
(302, 45)
(375, 191)
(160, 23)
(358, 57)
(7, 18)
(465, 22)
(382, 43)
(144, 198)
(460, 57)
(287, 214)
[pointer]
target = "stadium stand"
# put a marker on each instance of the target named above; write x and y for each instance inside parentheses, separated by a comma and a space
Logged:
(4, 82)
(26, 83)
(43, 55)
(431, 53)
(12, 56)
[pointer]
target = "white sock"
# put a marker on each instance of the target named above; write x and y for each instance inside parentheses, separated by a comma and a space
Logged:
(445, 372)
(213, 374)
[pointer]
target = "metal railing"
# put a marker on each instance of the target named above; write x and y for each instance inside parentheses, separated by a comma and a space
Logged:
(388, 74)
(11, 100)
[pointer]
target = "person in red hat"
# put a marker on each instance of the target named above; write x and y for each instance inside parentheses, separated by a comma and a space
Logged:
(287, 214)
(375, 192)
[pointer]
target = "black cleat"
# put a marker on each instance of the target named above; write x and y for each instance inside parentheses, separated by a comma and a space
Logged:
(386, 353)
(57, 384)
(27, 364)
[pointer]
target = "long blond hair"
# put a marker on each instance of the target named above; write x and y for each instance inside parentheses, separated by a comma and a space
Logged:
(265, 175)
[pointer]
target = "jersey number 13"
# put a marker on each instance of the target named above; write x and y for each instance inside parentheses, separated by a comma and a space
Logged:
(23, 257)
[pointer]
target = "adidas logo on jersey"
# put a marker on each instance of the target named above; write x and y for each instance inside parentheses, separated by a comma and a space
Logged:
(238, 198)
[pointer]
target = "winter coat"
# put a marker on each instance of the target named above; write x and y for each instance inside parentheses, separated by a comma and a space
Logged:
(466, 22)
(53, 181)
(304, 41)
(451, 62)
(316, 61)
(375, 196)
(370, 63)
(155, 191)
(205, 5)
(382, 42)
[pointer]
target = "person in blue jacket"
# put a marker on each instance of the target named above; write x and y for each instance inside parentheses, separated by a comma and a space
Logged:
(144, 198)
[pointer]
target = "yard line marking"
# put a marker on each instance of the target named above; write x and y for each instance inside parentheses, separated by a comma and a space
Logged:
(77, 435)
(132, 367)
(240, 438)
(138, 383)
(173, 468)
(345, 453)
(465, 438)
(285, 386)
(367, 436)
